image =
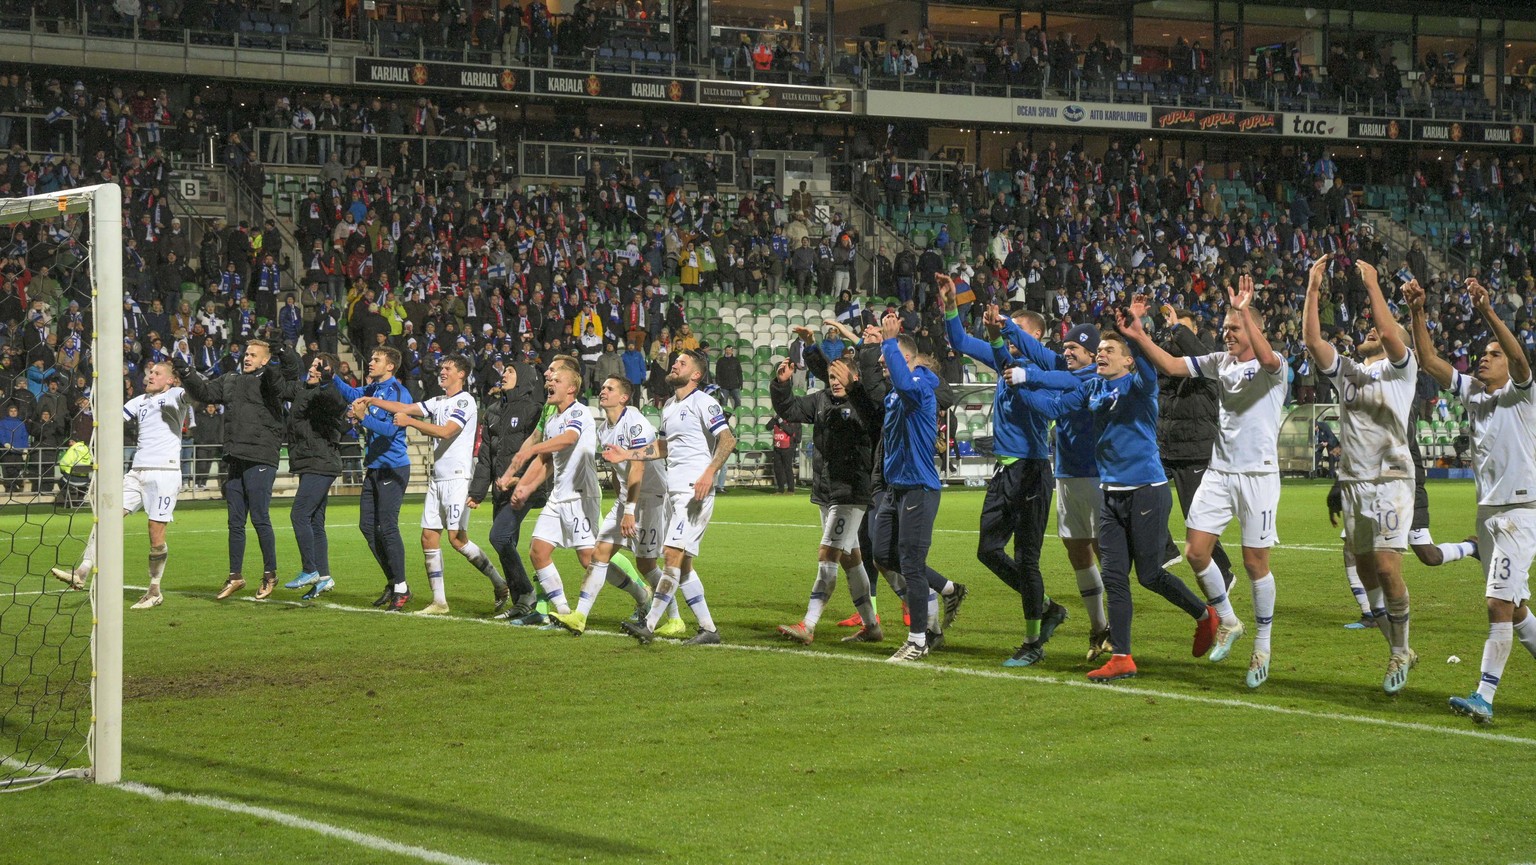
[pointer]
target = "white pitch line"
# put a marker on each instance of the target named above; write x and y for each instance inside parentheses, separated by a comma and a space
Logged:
(362, 839)
(1032, 679)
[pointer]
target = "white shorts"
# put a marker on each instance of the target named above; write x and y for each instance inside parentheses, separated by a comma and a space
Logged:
(569, 525)
(1078, 502)
(840, 526)
(1250, 499)
(686, 521)
(153, 491)
(444, 508)
(1506, 535)
(650, 519)
(1377, 515)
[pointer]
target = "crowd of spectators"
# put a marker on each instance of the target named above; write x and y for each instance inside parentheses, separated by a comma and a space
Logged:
(433, 262)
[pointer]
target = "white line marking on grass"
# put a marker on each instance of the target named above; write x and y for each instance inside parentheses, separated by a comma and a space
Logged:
(362, 839)
(1032, 679)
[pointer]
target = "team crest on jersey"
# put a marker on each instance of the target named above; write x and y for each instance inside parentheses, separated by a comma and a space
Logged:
(847, 412)
(513, 424)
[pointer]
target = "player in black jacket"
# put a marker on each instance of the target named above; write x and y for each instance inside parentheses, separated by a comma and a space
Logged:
(254, 420)
(509, 417)
(316, 417)
(1187, 424)
(840, 483)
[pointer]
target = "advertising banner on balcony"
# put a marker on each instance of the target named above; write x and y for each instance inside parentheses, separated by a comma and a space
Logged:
(1316, 125)
(601, 85)
(1468, 132)
(440, 76)
(1212, 120)
(747, 94)
(1096, 115)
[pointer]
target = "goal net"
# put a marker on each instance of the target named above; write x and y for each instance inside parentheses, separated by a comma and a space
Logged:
(61, 476)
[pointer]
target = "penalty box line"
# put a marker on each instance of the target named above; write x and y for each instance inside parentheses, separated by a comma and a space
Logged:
(1031, 679)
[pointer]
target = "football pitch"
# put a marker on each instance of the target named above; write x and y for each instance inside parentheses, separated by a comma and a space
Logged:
(326, 732)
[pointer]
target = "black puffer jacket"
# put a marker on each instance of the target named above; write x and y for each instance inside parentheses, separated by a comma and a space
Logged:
(1187, 424)
(316, 418)
(844, 448)
(505, 422)
(254, 417)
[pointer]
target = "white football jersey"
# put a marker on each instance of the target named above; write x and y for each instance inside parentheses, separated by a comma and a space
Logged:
(633, 430)
(160, 418)
(454, 456)
(1252, 406)
(576, 466)
(1503, 439)
(690, 425)
(1374, 401)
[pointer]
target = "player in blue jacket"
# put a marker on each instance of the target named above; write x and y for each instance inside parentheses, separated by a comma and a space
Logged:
(388, 465)
(1133, 521)
(903, 528)
(1078, 497)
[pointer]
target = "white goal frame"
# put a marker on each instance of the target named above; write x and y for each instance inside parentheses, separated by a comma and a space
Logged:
(104, 204)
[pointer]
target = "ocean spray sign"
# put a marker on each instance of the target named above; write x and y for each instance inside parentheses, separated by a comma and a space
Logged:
(1088, 114)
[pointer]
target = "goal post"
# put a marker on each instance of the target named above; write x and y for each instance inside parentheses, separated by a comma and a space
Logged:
(62, 712)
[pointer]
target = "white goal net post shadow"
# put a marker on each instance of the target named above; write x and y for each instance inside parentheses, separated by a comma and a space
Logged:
(103, 206)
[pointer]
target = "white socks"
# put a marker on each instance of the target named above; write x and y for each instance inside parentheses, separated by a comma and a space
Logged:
(1352, 574)
(826, 581)
(1091, 586)
(1501, 638)
(482, 562)
(1215, 587)
(663, 597)
(1378, 602)
(1525, 632)
(692, 590)
(1263, 611)
(654, 576)
(859, 591)
(435, 575)
(591, 586)
(157, 557)
(1397, 624)
(1455, 552)
(549, 581)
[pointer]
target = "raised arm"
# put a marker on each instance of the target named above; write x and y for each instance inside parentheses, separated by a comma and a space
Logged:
(1043, 379)
(1514, 352)
(1130, 327)
(1429, 359)
(1391, 337)
(1311, 324)
(1030, 348)
(785, 404)
(1242, 301)
(197, 385)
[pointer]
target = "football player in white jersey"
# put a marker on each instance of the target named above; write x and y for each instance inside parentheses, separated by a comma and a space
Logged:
(696, 440)
(1501, 406)
(452, 419)
(153, 482)
(568, 451)
(1375, 468)
(639, 512)
(1243, 480)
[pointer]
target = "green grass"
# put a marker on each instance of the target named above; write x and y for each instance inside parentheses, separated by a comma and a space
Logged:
(504, 745)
